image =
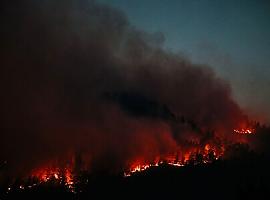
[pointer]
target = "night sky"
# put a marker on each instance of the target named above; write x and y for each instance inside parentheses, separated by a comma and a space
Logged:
(230, 36)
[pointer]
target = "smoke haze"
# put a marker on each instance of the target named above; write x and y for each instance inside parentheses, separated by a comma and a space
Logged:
(77, 77)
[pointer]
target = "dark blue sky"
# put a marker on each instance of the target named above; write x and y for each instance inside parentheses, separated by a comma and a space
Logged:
(233, 36)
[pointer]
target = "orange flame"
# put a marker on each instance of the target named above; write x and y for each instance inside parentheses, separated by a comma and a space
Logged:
(56, 174)
(244, 131)
(175, 161)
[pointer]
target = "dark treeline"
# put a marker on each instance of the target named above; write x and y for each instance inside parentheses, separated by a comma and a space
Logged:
(247, 178)
(243, 175)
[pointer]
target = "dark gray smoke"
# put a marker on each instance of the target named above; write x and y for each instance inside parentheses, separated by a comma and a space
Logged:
(77, 77)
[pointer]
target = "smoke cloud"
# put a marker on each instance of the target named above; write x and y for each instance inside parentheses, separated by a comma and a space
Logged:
(77, 77)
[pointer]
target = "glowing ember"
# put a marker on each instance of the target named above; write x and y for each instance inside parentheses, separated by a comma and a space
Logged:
(204, 152)
(207, 147)
(55, 174)
(139, 168)
(244, 131)
(69, 180)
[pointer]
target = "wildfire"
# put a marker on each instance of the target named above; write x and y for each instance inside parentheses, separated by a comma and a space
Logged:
(62, 176)
(50, 175)
(200, 154)
(187, 158)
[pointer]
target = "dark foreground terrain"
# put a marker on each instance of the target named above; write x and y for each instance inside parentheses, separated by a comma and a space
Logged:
(247, 177)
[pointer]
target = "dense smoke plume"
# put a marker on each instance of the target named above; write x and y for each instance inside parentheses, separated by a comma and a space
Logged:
(77, 77)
